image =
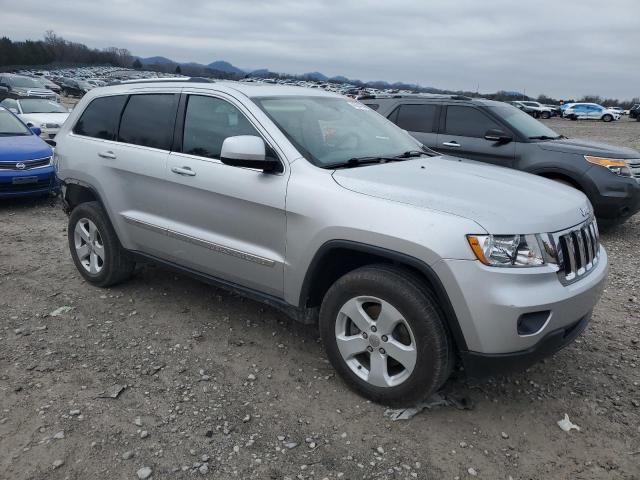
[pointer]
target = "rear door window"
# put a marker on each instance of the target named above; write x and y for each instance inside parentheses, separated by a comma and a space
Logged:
(100, 119)
(415, 118)
(468, 122)
(148, 120)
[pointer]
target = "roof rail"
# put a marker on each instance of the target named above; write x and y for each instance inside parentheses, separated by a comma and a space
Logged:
(414, 95)
(163, 80)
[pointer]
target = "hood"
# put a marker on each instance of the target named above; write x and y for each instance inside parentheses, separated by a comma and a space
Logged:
(26, 147)
(40, 118)
(501, 200)
(587, 147)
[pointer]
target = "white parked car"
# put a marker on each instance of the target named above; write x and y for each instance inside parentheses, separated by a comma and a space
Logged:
(46, 115)
(590, 111)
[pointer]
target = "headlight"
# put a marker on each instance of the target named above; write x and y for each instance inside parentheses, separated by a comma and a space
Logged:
(511, 250)
(615, 165)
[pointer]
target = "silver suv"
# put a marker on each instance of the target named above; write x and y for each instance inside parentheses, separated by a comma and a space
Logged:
(411, 262)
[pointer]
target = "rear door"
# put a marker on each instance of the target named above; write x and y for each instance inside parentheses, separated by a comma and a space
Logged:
(463, 133)
(420, 120)
(225, 221)
(127, 139)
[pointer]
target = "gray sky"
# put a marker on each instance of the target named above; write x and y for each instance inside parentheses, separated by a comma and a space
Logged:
(565, 48)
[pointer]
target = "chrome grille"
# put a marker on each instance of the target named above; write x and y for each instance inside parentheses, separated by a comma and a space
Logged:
(28, 164)
(577, 250)
(634, 166)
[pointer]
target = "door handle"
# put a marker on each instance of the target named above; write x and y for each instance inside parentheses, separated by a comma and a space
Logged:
(186, 171)
(107, 154)
(452, 143)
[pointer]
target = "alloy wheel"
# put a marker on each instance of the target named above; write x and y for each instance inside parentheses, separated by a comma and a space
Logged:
(376, 341)
(89, 246)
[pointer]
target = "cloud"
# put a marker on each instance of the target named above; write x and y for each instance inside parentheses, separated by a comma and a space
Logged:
(562, 48)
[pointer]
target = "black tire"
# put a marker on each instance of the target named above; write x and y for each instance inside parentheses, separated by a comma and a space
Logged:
(607, 118)
(546, 115)
(407, 294)
(117, 266)
(536, 114)
(573, 117)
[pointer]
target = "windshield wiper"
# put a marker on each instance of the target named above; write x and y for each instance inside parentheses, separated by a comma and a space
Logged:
(546, 137)
(358, 161)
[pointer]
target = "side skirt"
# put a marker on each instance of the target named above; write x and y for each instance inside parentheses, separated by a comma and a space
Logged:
(308, 316)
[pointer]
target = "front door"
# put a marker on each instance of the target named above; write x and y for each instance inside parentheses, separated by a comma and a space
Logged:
(225, 221)
(463, 136)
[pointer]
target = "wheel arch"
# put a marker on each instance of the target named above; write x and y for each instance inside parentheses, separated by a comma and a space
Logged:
(77, 192)
(563, 176)
(335, 258)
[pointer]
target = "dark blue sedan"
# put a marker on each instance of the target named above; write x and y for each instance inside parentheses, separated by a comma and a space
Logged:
(25, 160)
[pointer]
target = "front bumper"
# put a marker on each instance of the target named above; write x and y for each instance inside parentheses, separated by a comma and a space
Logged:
(489, 302)
(21, 183)
(614, 198)
(486, 364)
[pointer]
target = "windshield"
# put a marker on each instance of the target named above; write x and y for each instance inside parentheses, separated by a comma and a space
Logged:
(23, 82)
(524, 123)
(10, 125)
(330, 130)
(34, 105)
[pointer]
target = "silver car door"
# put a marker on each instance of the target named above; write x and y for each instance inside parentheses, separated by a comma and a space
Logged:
(224, 221)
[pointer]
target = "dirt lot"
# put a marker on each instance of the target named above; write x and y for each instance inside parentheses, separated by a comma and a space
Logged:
(220, 387)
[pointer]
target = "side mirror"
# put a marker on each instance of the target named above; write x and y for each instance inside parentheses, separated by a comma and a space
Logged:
(496, 135)
(36, 130)
(247, 151)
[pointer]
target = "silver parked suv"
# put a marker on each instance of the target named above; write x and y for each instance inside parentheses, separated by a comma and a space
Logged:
(314, 203)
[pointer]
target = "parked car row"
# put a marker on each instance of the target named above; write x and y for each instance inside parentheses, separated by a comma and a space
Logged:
(411, 262)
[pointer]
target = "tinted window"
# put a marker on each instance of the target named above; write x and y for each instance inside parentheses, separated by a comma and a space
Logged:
(373, 106)
(148, 120)
(208, 121)
(101, 117)
(416, 118)
(468, 122)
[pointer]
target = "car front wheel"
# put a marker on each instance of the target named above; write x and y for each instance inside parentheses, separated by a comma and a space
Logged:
(95, 248)
(384, 334)
(607, 118)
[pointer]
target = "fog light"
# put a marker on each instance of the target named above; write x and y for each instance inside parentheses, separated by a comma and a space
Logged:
(532, 323)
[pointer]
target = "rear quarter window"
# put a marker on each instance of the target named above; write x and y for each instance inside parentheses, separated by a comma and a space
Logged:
(100, 118)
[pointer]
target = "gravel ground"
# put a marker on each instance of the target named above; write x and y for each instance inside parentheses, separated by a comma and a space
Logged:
(166, 377)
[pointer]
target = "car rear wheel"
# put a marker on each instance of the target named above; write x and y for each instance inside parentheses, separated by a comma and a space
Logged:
(384, 334)
(607, 118)
(545, 115)
(95, 248)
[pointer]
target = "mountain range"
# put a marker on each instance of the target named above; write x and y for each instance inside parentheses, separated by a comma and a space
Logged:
(230, 70)
(227, 67)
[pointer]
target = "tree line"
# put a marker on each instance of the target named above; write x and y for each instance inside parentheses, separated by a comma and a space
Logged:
(54, 49)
